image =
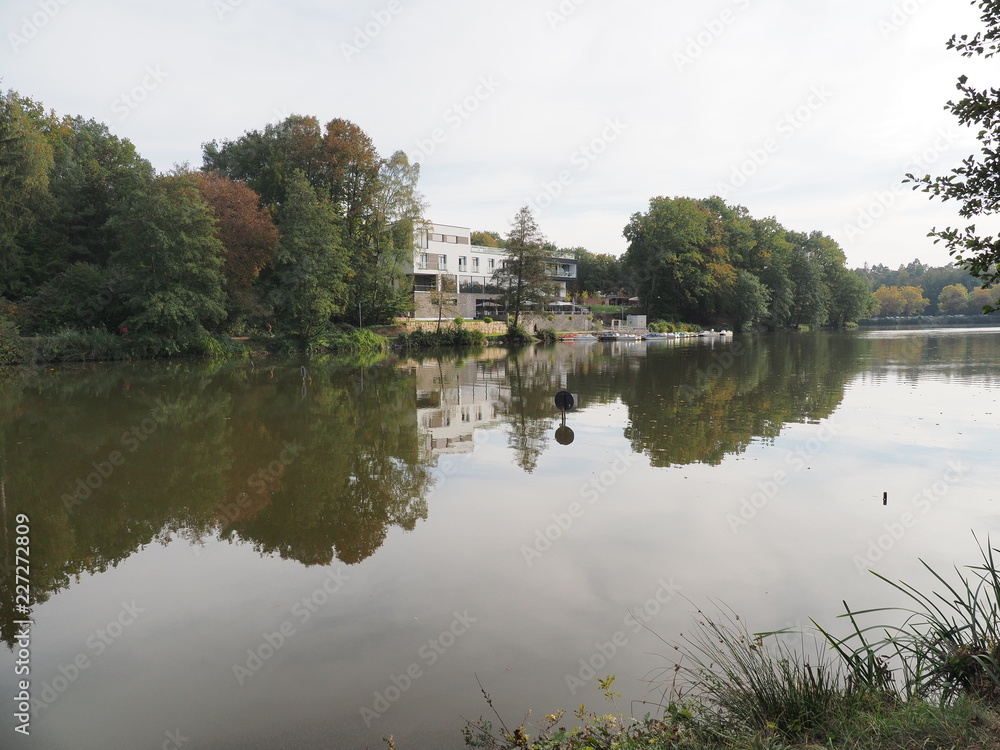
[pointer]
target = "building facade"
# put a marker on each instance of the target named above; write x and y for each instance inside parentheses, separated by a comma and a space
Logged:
(444, 259)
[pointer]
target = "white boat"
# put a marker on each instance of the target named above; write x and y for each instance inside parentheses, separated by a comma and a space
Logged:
(618, 336)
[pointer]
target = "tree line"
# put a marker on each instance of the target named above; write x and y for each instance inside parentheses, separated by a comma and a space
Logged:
(286, 229)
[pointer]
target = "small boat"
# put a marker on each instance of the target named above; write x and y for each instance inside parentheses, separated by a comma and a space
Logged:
(578, 337)
(713, 332)
(657, 336)
(618, 336)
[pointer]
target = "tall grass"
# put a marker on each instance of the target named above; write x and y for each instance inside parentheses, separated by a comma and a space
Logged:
(949, 643)
(931, 682)
(739, 682)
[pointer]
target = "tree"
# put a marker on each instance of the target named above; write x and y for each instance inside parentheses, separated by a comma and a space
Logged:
(851, 298)
(677, 258)
(523, 278)
(25, 162)
(311, 268)
(249, 238)
(953, 300)
(751, 300)
(168, 264)
(487, 239)
(444, 299)
(914, 301)
(890, 300)
(382, 288)
(980, 299)
(974, 184)
(596, 272)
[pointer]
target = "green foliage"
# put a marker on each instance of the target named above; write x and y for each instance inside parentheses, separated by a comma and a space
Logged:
(25, 161)
(78, 297)
(92, 345)
(523, 277)
(168, 263)
(705, 260)
(13, 350)
(666, 326)
(459, 321)
(311, 269)
(221, 347)
(487, 319)
(547, 335)
(357, 341)
(517, 335)
(752, 299)
(446, 337)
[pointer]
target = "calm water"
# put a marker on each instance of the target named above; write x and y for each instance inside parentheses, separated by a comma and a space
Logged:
(231, 557)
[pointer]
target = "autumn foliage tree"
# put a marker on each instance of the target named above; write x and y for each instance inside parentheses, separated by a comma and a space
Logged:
(249, 237)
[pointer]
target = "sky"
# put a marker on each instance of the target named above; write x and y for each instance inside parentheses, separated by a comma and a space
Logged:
(584, 110)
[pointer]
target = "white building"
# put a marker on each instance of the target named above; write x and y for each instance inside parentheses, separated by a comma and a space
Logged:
(445, 251)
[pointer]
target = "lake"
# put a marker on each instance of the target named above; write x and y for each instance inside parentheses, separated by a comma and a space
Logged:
(232, 555)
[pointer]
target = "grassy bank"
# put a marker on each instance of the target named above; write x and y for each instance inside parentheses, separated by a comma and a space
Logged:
(931, 682)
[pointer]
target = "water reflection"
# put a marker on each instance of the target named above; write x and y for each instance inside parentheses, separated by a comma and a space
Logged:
(107, 459)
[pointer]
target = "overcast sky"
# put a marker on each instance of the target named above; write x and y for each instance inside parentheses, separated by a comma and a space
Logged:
(804, 110)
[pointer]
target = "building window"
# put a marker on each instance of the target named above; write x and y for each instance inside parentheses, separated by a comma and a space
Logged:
(451, 238)
(435, 237)
(491, 263)
(475, 265)
(423, 262)
(442, 262)
(461, 263)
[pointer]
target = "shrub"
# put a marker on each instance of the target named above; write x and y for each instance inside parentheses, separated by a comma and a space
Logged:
(487, 319)
(453, 336)
(547, 335)
(459, 321)
(13, 350)
(76, 298)
(221, 347)
(95, 344)
(517, 335)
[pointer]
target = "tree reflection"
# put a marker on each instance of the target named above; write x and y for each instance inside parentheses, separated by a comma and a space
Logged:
(106, 459)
